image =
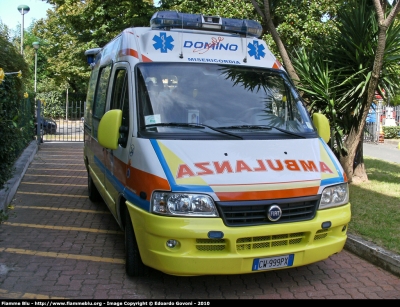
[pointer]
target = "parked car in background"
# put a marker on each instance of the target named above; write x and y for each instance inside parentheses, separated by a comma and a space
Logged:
(48, 126)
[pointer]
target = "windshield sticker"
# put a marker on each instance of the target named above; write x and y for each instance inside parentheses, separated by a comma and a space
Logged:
(193, 116)
(256, 50)
(152, 119)
(163, 42)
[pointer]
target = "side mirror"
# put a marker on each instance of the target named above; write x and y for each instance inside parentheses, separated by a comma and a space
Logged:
(108, 131)
(322, 124)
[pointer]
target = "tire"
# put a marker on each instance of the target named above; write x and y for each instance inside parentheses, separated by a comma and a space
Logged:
(93, 193)
(133, 262)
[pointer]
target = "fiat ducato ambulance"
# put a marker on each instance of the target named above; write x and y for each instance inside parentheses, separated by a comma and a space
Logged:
(201, 147)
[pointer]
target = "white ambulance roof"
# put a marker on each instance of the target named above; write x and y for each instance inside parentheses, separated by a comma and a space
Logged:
(167, 43)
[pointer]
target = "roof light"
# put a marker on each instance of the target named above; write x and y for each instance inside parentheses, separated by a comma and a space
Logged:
(91, 55)
(170, 19)
(211, 22)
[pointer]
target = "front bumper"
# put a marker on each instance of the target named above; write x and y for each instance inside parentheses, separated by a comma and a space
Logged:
(196, 254)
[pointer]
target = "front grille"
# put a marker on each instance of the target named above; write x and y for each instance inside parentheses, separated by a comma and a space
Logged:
(208, 245)
(321, 234)
(251, 213)
(264, 242)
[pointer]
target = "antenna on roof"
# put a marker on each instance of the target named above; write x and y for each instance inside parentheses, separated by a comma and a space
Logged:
(181, 54)
(245, 48)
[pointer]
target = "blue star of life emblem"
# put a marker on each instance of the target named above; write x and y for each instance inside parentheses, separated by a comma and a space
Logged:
(163, 42)
(256, 50)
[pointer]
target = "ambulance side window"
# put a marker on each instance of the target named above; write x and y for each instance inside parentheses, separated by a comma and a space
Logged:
(120, 100)
(100, 98)
(118, 89)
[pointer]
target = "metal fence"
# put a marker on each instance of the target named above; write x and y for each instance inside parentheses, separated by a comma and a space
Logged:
(397, 114)
(68, 129)
(24, 124)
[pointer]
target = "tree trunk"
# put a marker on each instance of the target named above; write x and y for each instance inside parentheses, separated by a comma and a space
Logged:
(354, 165)
(267, 21)
(359, 171)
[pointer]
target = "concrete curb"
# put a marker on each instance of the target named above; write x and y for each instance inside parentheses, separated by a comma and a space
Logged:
(20, 167)
(373, 253)
(395, 142)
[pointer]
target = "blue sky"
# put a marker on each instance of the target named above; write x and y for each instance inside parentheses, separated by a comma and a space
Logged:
(11, 17)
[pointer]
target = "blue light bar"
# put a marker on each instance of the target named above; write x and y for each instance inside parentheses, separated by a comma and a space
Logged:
(91, 55)
(249, 27)
(170, 19)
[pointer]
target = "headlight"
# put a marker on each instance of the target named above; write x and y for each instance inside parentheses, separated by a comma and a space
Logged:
(334, 196)
(183, 204)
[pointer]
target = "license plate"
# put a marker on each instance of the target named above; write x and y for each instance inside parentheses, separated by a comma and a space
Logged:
(270, 263)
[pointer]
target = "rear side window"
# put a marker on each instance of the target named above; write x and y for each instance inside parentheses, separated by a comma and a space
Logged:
(100, 99)
(120, 89)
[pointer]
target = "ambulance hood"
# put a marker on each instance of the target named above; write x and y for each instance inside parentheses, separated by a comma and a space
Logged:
(249, 169)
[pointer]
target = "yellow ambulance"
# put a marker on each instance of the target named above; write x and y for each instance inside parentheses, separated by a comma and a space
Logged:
(201, 147)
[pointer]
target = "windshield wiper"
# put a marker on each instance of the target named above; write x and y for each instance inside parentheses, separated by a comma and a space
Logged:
(262, 127)
(202, 126)
(173, 125)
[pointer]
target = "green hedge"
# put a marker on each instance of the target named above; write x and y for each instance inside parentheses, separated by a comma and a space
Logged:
(16, 112)
(391, 132)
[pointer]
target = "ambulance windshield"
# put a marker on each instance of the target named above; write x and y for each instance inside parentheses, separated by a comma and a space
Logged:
(241, 100)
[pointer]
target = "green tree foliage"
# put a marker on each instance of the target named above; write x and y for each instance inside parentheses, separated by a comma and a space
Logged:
(225, 8)
(4, 31)
(72, 27)
(307, 24)
(16, 114)
(395, 100)
(53, 104)
(299, 23)
(98, 21)
(66, 63)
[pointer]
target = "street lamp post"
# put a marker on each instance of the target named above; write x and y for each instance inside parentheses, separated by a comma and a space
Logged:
(36, 46)
(23, 9)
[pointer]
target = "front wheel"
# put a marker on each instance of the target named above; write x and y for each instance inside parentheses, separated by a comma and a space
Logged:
(133, 262)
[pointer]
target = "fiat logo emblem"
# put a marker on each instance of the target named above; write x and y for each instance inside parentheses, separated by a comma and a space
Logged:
(274, 213)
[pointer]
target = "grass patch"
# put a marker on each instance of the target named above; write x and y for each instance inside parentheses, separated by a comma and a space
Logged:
(375, 205)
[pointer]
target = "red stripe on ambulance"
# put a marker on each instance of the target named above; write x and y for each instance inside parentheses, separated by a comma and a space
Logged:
(134, 53)
(270, 194)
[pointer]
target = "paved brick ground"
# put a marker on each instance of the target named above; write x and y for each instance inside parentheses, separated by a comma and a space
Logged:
(57, 244)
